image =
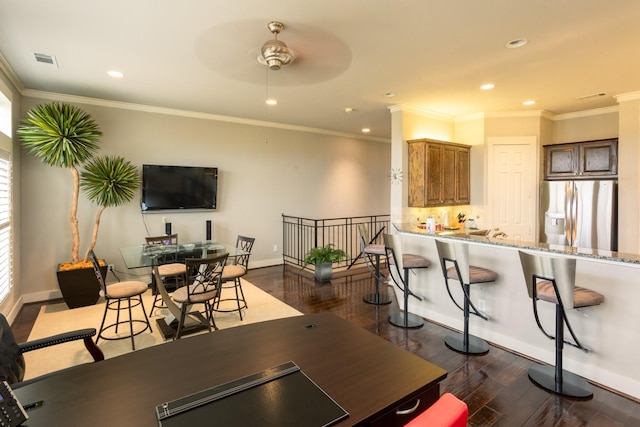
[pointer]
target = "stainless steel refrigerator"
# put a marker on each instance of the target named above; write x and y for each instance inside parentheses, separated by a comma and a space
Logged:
(582, 214)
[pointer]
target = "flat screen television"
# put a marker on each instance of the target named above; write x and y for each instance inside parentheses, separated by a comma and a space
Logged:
(178, 187)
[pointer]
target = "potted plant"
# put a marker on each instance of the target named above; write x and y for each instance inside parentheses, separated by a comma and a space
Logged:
(63, 135)
(323, 258)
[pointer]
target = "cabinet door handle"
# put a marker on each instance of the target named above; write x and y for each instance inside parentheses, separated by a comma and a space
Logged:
(408, 411)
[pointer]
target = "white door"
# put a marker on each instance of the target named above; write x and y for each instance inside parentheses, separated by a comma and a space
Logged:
(512, 190)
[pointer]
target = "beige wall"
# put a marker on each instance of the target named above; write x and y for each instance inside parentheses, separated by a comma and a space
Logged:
(629, 177)
(471, 132)
(297, 173)
(574, 128)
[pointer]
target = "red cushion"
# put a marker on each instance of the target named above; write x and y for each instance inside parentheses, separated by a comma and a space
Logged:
(448, 411)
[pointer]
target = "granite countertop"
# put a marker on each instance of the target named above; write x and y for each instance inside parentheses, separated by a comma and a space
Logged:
(478, 236)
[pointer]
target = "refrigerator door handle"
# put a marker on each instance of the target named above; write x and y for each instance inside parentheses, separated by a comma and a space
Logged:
(569, 213)
(574, 215)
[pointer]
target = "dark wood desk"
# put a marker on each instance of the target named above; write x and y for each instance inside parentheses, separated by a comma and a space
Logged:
(365, 374)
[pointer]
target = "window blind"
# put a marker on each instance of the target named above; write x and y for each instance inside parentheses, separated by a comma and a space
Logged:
(6, 247)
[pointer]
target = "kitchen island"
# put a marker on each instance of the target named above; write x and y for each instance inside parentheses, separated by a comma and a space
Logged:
(609, 329)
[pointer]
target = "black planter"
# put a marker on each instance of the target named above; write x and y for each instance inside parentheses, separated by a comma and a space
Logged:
(80, 287)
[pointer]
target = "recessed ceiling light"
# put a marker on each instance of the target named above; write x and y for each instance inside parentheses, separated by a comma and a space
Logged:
(389, 94)
(487, 86)
(516, 43)
(530, 102)
(116, 74)
(272, 102)
(366, 130)
(349, 110)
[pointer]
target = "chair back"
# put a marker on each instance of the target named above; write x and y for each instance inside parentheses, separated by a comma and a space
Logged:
(246, 244)
(171, 239)
(559, 270)
(393, 248)
(454, 254)
(363, 236)
(165, 246)
(96, 269)
(204, 274)
(12, 365)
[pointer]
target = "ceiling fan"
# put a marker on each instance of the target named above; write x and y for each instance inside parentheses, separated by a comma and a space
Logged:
(275, 53)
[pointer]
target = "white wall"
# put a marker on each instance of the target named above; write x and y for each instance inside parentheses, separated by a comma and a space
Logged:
(297, 173)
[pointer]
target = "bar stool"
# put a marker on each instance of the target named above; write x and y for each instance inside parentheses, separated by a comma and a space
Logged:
(371, 252)
(403, 263)
(552, 279)
(454, 260)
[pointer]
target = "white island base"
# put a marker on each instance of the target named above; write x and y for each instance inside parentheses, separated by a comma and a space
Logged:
(611, 330)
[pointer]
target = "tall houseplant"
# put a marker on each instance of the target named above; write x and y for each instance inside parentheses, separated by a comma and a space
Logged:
(323, 257)
(63, 135)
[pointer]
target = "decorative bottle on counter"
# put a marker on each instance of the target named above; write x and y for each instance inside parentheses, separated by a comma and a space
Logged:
(431, 224)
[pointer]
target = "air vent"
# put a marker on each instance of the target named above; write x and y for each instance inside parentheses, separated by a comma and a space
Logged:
(46, 59)
(591, 96)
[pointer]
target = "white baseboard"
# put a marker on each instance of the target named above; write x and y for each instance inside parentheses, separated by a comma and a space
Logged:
(41, 296)
(265, 263)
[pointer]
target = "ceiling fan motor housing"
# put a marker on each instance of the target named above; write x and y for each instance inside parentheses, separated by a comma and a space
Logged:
(275, 53)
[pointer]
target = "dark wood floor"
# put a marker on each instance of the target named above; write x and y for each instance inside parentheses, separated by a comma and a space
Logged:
(495, 386)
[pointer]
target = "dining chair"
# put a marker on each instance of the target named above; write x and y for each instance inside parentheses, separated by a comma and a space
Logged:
(204, 281)
(127, 293)
(168, 265)
(232, 274)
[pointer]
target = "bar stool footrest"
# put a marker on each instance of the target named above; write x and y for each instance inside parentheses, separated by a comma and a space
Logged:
(475, 345)
(572, 385)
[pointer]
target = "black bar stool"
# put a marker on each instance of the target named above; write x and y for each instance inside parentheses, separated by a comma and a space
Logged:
(371, 252)
(403, 263)
(454, 260)
(552, 279)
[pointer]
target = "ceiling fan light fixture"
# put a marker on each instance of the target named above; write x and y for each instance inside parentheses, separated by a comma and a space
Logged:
(275, 53)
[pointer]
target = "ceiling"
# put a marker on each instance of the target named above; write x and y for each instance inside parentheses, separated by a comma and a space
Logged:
(200, 56)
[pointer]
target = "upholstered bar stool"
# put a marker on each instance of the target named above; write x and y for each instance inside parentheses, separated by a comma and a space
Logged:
(552, 279)
(403, 264)
(454, 260)
(371, 254)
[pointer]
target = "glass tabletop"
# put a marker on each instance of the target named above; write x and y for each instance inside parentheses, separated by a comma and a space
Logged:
(148, 255)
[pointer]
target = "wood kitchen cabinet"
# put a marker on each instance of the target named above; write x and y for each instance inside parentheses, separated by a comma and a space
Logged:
(438, 173)
(588, 160)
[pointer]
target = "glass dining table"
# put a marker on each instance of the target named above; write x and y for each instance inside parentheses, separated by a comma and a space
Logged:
(140, 256)
(146, 255)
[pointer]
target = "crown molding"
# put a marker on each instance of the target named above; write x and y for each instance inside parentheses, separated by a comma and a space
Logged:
(630, 96)
(421, 112)
(53, 96)
(11, 75)
(586, 113)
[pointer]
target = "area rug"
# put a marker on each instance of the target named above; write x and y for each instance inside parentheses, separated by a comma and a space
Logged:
(57, 318)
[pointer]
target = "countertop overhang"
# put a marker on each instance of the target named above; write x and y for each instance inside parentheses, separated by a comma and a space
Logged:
(480, 237)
